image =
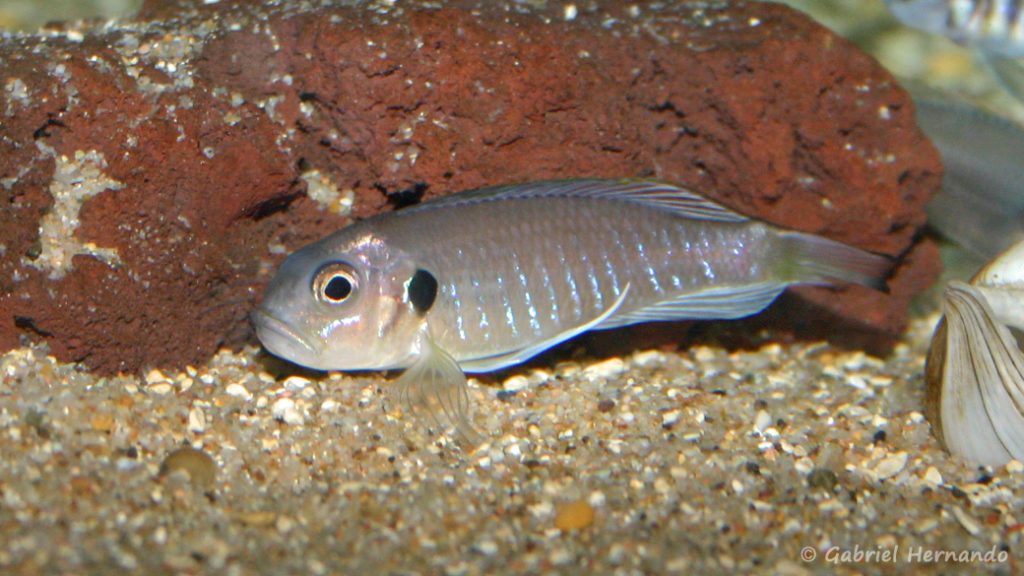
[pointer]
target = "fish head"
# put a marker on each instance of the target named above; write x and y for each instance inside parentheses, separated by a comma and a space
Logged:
(341, 304)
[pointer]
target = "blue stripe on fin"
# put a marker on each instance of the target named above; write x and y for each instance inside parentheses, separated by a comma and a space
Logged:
(657, 195)
(714, 304)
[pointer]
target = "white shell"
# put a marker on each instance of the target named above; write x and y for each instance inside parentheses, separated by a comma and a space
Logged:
(1007, 270)
(975, 369)
(1002, 284)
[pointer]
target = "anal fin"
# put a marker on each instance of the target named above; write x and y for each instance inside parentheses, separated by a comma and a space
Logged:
(722, 303)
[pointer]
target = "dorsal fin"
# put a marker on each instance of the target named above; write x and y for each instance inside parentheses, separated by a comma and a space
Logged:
(656, 195)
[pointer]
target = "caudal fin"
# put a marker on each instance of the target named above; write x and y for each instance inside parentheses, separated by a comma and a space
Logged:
(818, 260)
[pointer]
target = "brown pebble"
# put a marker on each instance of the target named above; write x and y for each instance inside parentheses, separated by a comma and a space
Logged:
(574, 515)
(199, 466)
(605, 405)
(257, 519)
(82, 486)
(103, 422)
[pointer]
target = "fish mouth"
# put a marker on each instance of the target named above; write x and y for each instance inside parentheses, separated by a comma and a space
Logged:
(280, 338)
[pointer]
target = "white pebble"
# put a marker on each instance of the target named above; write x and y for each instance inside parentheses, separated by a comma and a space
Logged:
(671, 417)
(648, 358)
(284, 524)
(661, 485)
(891, 465)
(703, 354)
(487, 547)
(155, 375)
(610, 368)
(969, 524)
(515, 383)
(197, 420)
(238, 391)
(932, 476)
(284, 409)
(804, 465)
(160, 388)
(762, 421)
(513, 451)
(737, 486)
(542, 509)
(294, 383)
(857, 382)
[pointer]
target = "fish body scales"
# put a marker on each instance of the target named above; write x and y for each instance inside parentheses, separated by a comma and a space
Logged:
(512, 272)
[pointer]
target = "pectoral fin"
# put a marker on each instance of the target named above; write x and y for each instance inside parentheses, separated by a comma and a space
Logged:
(434, 388)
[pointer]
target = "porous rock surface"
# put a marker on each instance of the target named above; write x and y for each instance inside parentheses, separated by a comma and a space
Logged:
(154, 171)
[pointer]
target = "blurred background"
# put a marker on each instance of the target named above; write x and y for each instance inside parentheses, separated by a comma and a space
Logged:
(31, 14)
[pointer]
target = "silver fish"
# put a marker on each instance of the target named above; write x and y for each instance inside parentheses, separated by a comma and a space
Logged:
(995, 27)
(981, 203)
(482, 280)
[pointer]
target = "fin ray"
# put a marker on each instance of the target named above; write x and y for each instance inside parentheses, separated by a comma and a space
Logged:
(819, 260)
(722, 303)
(434, 389)
(657, 195)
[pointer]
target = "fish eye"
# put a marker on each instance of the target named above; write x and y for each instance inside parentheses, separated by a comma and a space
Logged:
(334, 283)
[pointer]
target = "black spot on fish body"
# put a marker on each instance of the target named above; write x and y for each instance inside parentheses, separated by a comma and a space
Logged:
(421, 290)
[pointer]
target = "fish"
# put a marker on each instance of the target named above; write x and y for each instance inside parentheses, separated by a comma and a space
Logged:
(980, 205)
(483, 280)
(991, 26)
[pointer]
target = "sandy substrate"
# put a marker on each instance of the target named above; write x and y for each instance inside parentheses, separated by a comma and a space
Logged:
(800, 459)
(703, 461)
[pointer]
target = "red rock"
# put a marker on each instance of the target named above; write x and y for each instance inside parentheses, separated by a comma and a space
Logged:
(206, 116)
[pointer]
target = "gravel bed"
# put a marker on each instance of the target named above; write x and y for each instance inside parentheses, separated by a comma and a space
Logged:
(706, 460)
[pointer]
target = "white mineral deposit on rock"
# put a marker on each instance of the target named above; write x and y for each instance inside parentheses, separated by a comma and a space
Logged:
(75, 180)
